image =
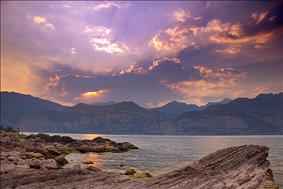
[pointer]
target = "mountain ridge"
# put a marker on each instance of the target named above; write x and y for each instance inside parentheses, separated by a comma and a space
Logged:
(260, 115)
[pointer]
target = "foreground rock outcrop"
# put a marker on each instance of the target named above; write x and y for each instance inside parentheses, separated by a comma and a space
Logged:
(236, 167)
(33, 152)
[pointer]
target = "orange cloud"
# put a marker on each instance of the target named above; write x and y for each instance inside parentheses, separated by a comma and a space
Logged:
(214, 82)
(156, 62)
(93, 94)
(181, 15)
(259, 17)
(172, 39)
(229, 50)
(255, 39)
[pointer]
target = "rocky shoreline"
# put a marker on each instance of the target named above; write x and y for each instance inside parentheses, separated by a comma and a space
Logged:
(37, 161)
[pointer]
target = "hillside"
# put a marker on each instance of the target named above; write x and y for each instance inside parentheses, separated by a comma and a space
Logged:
(15, 106)
(175, 108)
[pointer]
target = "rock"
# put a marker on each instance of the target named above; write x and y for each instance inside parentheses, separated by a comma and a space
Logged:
(130, 172)
(11, 158)
(100, 140)
(6, 167)
(61, 160)
(35, 150)
(51, 153)
(142, 175)
(236, 167)
(51, 139)
(87, 162)
(50, 164)
(85, 148)
(36, 164)
(32, 155)
(129, 146)
(121, 165)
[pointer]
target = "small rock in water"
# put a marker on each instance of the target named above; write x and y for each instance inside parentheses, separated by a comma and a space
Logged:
(121, 165)
(130, 172)
(142, 175)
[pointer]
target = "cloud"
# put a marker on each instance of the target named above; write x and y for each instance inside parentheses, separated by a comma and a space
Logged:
(260, 89)
(232, 35)
(106, 5)
(259, 17)
(144, 70)
(73, 50)
(182, 15)
(138, 83)
(172, 39)
(214, 82)
(42, 21)
(163, 79)
(101, 40)
(231, 50)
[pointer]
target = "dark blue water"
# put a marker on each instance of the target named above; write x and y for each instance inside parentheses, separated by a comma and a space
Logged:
(159, 154)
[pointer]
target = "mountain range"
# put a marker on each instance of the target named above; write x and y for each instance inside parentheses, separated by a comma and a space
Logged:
(175, 108)
(260, 115)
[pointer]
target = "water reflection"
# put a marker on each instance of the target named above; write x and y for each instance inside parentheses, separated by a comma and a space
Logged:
(94, 158)
(91, 136)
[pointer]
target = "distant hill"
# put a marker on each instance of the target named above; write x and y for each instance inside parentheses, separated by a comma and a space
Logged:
(104, 103)
(175, 108)
(15, 106)
(224, 101)
(260, 115)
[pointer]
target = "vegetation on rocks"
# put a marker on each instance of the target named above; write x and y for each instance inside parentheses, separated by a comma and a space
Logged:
(130, 171)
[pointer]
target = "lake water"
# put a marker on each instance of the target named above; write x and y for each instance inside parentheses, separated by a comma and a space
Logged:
(159, 154)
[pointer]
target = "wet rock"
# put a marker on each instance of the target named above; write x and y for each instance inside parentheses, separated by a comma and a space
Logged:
(130, 172)
(142, 175)
(100, 140)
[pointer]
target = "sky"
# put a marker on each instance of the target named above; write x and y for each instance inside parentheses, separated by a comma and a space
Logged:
(147, 52)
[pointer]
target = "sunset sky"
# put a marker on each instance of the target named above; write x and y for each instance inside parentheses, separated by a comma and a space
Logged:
(147, 52)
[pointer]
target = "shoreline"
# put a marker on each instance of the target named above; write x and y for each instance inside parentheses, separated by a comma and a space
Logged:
(204, 169)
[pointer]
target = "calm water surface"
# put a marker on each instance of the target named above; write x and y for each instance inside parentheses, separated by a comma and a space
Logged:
(159, 154)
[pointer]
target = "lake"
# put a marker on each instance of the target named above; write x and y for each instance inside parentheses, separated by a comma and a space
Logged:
(159, 154)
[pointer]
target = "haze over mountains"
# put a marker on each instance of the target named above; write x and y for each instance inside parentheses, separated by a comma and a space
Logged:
(260, 115)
